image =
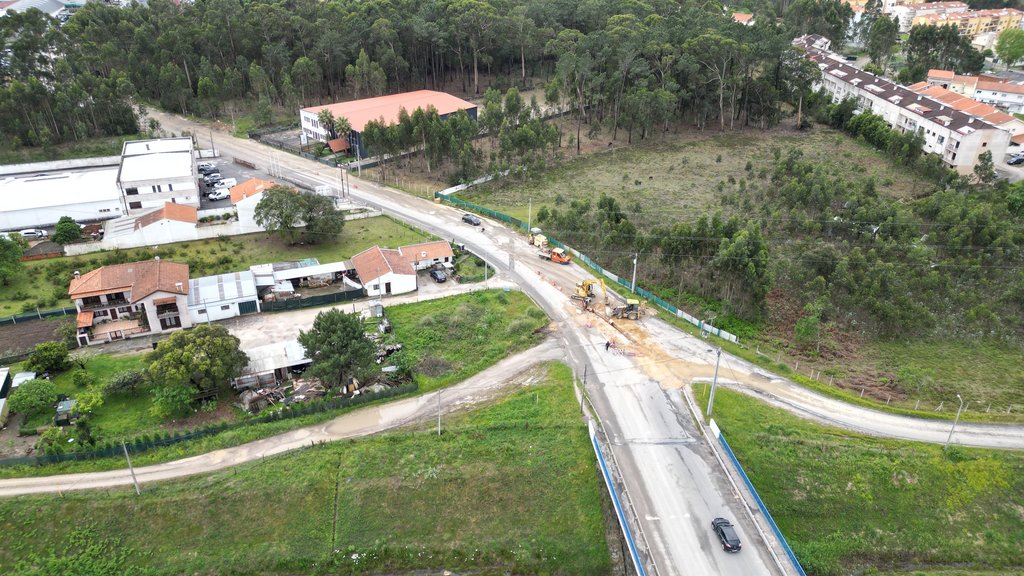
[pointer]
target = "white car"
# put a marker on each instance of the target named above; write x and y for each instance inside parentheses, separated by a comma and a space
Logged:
(34, 233)
(219, 194)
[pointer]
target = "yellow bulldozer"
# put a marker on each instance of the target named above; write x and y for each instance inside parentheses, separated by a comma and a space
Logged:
(632, 310)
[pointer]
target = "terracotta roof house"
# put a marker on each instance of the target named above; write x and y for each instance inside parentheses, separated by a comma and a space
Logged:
(426, 254)
(745, 18)
(386, 108)
(384, 271)
(132, 299)
(250, 187)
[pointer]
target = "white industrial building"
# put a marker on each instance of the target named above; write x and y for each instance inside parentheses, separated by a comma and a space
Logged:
(957, 136)
(157, 171)
(37, 195)
(222, 296)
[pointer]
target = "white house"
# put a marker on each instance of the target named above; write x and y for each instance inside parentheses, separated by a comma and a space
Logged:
(384, 271)
(957, 136)
(37, 195)
(157, 171)
(222, 296)
(133, 299)
(424, 255)
(245, 196)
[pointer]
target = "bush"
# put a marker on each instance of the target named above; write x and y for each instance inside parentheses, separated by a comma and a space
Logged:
(82, 378)
(123, 382)
(33, 396)
(49, 357)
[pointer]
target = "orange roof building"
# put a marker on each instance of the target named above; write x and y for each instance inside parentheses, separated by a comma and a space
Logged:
(250, 187)
(386, 108)
(745, 18)
(170, 211)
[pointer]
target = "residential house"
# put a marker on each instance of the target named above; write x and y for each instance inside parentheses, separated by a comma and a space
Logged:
(384, 271)
(985, 88)
(132, 299)
(1011, 124)
(424, 255)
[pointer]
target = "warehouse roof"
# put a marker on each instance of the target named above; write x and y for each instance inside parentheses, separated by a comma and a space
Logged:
(65, 188)
(229, 287)
(360, 112)
(166, 158)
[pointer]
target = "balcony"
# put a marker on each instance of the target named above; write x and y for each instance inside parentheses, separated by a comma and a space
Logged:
(97, 304)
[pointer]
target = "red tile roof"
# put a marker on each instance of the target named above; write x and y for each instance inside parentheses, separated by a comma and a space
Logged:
(248, 188)
(141, 278)
(338, 145)
(375, 262)
(170, 211)
(84, 319)
(427, 251)
(359, 112)
(742, 17)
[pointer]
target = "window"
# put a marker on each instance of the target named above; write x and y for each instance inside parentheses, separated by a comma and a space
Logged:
(376, 286)
(201, 311)
(157, 189)
(131, 191)
(227, 307)
(170, 187)
(104, 209)
(135, 205)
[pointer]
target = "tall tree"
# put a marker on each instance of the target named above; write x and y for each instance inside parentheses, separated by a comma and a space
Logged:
(365, 78)
(476, 21)
(307, 76)
(190, 361)
(882, 39)
(10, 259)
(338, 347)
(1010, 46)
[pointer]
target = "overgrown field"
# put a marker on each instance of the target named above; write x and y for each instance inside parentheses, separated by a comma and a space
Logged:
(849, 503)
(105, 146)
(449, 339)
(44, 284)
(675, 178)
(510, 488)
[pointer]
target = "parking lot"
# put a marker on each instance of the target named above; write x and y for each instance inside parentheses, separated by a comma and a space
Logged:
(227, 169)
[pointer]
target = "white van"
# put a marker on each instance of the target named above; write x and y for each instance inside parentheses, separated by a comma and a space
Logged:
(33, 233)
(227, 183)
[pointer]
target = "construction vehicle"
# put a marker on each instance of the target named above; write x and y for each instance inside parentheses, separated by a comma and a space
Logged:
(585, 291)
(537, 239)
(555, 255)
(632, 310)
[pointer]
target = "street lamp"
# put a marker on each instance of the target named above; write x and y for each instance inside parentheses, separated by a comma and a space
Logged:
(957, 419)
(632, 286)
(714, 383)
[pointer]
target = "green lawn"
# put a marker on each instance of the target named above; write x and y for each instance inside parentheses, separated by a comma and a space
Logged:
(849, 503)
(106, 146)
(510, 488)
(45, 282)
(450, 339)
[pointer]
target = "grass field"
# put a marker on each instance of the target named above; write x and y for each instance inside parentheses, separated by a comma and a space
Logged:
(450, 339)
(45, 282)
(676, 178)
(850, 504)
(107, 146)
(510, 488)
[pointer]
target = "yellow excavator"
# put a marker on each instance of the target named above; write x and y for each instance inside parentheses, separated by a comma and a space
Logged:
(632, 310)
(586, 290)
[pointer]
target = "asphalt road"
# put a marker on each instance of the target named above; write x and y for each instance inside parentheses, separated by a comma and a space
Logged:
(672, 480)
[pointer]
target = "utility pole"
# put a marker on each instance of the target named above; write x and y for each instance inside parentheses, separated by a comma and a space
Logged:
(714, 383)
(212, 145)
(438, 412)
(529, 217)
(130, 469)
(957, 419)
(632, 287)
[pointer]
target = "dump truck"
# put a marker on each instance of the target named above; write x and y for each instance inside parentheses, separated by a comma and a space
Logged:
(555, 255)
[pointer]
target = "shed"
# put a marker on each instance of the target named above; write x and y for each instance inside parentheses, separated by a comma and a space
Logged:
(66, 413)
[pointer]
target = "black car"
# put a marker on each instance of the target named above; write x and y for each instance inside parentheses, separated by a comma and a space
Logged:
(438, 275)
(471, 219)
(207, 169)
(1015, 160)
(727, 534)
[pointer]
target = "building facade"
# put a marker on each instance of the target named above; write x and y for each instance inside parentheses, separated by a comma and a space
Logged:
(129, 300)
(985, 88)
(360, 112)
(956, 136)
(154, 172)
(36, 195)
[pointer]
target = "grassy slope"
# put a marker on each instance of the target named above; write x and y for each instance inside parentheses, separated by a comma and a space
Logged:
(507, 488)
(675, 179)
(848, 502)
(107, 146)
(44, 279)
(455, 337)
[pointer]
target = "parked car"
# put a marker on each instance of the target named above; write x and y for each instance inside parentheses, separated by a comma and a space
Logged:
(219, 194)
(207, 169)
(438, 275)
(34, 233)
(471, 219)
(1014, 160)
(212, 177)
(726, 534)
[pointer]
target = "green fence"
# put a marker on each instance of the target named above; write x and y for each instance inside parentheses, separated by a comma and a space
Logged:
(312, 301)
(646, 294)
(149, 442)
(37, 315)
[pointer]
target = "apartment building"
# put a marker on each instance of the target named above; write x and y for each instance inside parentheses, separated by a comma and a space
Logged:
(971, 23)
(986, 89)
(907, 14)
(957, 136)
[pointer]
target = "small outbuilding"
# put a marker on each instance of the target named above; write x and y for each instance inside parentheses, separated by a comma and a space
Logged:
(384, 271)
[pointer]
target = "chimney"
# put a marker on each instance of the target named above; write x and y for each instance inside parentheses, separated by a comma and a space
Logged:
(970, 120)
(177, 286)
(77, 275)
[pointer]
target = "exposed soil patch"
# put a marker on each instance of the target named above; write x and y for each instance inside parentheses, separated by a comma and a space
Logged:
(21, 338)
